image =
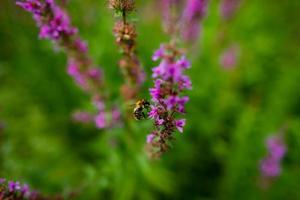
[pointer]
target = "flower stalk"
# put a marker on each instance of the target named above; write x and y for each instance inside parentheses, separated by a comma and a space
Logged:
(125, 34)
(170, 84)
(55, 25)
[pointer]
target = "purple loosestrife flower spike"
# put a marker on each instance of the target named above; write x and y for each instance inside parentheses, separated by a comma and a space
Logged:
(270, 165)
(55, 25)
(168, 101)
(194, 12)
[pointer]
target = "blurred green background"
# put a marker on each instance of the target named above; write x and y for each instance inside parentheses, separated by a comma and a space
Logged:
(229, 117)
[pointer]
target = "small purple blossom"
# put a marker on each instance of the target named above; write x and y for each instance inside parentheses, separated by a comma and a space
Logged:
(229, 57)
(159, 53)
(270, 165)
(180, 124)
(33, 6)
(81, 45)
(25, 190)
(154, 114)
(276, 147)
(150, 138)
(184, 63)
(94, 73)
(100, 120)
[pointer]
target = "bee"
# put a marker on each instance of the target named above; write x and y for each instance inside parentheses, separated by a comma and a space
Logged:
(140, 108)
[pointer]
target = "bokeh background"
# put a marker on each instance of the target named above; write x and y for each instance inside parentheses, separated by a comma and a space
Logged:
(230, 115)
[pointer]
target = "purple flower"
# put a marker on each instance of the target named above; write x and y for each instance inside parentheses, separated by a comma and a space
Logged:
(159, 121)
(25, 190)
(13, 186)
(100, 120)
(159, 53)
(81, 45)
(171, 102)
(184, 63)
(94, 73)
(276, 147)
(229, 57)
(73, 68)
(160, 70)
(33, 6)
(184, 83)
(167, 99)
(150, 138)
(180, 124)
(83, 117)
(173, 72)
(193, 13)
(181, 103)
(270, 166)
(228, 8)
(153, 114)
(2, 180)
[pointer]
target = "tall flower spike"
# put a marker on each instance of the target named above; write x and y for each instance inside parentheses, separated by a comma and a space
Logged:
(194, 12)
(168, 101)
(55, 25)
(125, 34)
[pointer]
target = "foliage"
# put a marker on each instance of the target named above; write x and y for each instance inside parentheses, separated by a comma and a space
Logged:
(229, 116)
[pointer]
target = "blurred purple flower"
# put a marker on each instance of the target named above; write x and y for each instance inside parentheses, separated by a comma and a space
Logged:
(100, 120)
(270, 165)
(228, 8)
(229, 57)
(270, 168)
(14, 186)
(2, 180)
(83, 117)
(150, 138)
(194, 12)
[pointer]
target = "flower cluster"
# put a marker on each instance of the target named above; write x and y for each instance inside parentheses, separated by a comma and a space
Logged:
(193, 13)
(55, 25)
(228, 8)
(270, 165)
(167, 99)
(10, 190)
(125, 34)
